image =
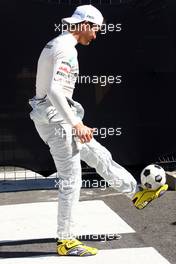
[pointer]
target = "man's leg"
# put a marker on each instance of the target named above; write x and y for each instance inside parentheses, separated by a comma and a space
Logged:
(98, 157)
(67, 160)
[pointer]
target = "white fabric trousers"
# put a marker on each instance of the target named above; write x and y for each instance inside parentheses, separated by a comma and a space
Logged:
(67, 156)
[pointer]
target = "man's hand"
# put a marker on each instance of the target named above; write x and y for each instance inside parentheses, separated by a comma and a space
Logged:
(83, 132)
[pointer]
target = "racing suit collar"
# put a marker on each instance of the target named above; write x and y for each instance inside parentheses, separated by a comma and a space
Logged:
(71, 39)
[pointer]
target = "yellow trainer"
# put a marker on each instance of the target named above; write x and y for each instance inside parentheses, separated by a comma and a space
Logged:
(73, 247)
(142, 198)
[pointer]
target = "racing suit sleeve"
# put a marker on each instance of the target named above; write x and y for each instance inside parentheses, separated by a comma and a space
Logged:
(60, 77)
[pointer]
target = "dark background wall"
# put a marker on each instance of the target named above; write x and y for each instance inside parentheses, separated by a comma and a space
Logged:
(143, 105)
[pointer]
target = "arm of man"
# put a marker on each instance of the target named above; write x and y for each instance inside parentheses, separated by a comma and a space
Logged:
(56, 92)
(61, 75)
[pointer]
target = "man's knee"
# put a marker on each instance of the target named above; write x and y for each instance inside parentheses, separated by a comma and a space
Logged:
(68, 186)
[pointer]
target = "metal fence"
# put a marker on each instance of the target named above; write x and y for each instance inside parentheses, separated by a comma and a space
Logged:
(20, 179)
(83, 2)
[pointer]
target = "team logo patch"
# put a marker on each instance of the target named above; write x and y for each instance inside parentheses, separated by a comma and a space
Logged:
(91, 17)
(48, 46)
(60, 75)
(65, 67)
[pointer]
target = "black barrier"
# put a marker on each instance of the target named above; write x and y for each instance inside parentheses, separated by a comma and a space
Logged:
(133, 110)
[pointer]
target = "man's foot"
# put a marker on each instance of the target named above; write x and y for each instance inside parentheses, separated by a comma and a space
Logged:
(142, 198)
(74, 248)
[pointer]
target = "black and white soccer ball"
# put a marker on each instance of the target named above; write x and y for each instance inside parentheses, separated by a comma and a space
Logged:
(152, 177)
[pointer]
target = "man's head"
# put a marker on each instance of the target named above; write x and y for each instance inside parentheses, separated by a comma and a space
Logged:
(84, 24)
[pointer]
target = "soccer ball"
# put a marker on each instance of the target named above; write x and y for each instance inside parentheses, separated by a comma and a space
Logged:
(152, 177)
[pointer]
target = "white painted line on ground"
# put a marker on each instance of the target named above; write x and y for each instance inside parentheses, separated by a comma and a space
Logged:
(39, 220)
(123, 256)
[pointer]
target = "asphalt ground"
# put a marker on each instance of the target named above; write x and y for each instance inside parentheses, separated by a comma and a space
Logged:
(155, 226)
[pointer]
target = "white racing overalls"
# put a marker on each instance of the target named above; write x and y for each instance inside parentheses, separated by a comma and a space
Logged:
(54, 114)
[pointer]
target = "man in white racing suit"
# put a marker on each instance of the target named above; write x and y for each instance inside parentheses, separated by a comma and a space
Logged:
(58, 120)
